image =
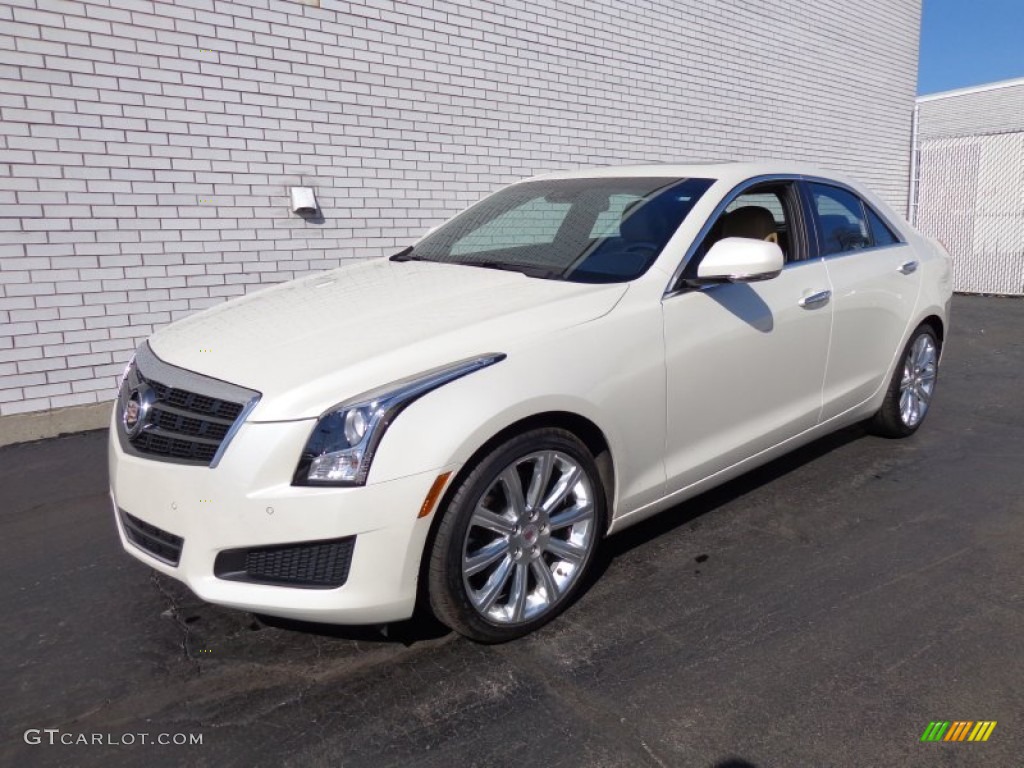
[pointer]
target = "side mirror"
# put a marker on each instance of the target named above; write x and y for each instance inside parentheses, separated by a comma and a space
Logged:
(740, 260)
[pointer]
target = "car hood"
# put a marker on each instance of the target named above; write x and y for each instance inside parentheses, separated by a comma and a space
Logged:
(311, 343)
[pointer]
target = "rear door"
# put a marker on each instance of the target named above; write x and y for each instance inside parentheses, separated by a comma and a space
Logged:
(875, 282)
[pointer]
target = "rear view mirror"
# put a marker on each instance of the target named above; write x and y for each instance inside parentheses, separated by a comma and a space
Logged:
(740, 260)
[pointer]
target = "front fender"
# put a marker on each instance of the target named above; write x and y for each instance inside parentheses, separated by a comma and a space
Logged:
(609, 371)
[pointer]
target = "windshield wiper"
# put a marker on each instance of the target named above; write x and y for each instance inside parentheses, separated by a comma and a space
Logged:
(527, 269)
(405, 255)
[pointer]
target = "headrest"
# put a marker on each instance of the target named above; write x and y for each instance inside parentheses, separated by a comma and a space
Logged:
(751, 221)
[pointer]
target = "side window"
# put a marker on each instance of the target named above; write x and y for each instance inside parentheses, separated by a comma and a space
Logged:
(765, 212)
(880, 233)
(841, 219)
(535, 222)
(770, 201)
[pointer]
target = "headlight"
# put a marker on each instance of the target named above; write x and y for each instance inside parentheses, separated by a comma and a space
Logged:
(344, 440)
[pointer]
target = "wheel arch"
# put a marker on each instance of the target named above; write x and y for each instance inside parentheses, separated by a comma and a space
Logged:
(936, 323)
(589, 433)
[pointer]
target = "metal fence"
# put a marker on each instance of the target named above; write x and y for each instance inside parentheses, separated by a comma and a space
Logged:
(970, 196)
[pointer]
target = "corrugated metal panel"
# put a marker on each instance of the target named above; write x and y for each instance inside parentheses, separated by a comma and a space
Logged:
(971, 197)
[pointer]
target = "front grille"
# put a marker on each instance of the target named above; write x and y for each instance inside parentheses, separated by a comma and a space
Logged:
(152, 540)
(183, 417)
(313, 564)
(175, 448)
(196, 403)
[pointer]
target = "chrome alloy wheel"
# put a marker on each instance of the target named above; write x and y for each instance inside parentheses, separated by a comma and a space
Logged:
(531, 533)
(918, 382)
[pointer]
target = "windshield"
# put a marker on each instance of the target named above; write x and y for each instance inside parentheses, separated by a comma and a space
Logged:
(596, 230)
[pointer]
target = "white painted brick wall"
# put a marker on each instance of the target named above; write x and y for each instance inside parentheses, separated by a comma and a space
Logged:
(146, 148)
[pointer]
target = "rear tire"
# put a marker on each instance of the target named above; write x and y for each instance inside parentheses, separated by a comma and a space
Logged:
(912, 387)
(518, 538)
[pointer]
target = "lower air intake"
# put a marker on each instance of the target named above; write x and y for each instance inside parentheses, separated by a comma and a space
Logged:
(152, 540)
(311, 564)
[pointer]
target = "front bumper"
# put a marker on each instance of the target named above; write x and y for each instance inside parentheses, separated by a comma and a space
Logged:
(248, 501)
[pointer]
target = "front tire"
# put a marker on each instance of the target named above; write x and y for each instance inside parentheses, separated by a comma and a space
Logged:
(518, 538)
(912, 387)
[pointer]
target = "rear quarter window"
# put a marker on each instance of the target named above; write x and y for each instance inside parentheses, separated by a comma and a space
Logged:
(881, 233)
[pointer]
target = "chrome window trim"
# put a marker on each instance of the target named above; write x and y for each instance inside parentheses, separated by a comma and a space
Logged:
(821, 259)
(872, 249)
(726, 201)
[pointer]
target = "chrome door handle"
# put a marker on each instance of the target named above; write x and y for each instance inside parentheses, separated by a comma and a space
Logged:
(818, 299)
(907, 267)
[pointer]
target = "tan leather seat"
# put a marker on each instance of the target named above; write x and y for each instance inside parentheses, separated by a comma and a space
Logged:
(751, 221)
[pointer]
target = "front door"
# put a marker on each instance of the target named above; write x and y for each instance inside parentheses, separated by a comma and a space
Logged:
(746, 361)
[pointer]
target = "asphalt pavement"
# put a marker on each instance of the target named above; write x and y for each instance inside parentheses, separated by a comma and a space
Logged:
(820, 611)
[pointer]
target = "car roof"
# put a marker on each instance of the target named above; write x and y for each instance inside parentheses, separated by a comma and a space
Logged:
(733, 172)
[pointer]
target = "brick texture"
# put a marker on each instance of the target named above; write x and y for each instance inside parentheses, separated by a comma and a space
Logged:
(147, 148)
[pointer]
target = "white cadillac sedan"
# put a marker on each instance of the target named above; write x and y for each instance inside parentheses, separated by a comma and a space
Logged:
(466, 421)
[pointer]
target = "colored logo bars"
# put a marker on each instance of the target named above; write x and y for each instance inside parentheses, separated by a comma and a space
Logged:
(958, 730)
